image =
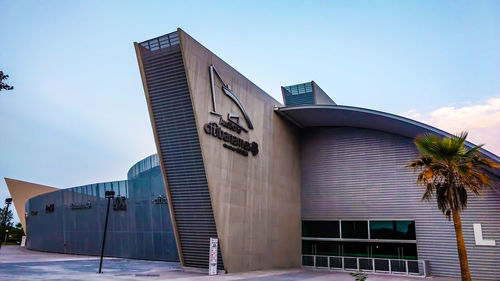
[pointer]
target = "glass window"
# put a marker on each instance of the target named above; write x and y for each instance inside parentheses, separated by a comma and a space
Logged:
(299, 89)
(307, 247)
(355, 249)
(395, 250)
(355, 229)
(323, 229)
(404, 230)
(328, 248)
(322, 248)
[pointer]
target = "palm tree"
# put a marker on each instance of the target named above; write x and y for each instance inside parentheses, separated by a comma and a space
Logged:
(448, 169)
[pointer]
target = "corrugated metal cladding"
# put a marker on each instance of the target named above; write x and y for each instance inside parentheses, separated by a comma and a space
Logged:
(350, 173)
(180, 147)
(302, 99)
(300, 94)
(142, 231)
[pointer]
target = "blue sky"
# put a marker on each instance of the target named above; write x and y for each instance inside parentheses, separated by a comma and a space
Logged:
(78, 114)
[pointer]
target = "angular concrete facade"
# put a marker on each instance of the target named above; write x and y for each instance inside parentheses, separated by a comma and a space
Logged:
(255, 199)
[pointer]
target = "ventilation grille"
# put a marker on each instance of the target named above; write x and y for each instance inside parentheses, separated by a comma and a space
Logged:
(300, 94)
(303, 99)
(180, 148)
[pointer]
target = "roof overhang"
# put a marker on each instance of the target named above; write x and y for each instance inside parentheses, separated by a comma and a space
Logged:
(349, 116)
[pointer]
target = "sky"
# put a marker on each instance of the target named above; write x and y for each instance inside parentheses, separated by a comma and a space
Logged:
(78, 115)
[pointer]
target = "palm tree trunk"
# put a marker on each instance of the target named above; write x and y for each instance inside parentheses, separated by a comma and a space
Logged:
(462, 251)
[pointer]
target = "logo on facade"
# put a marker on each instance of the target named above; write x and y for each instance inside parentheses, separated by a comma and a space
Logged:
(77, 206)
(232, 123)
(161, 199)
(226, 89)
(478, 236)
(120, 203)
(49, 208)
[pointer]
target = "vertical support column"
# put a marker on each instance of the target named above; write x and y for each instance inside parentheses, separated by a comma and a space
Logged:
(369, 230)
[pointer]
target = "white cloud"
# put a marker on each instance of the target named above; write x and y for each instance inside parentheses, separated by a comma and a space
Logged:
(481, 120)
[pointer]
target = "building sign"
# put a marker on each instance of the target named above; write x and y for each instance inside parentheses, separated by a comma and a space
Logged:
(119, 203)
(478, 235)
(232, 140)
(33, 213)
(161, 199)
(212, 262)
(76, 206)
(23, 241)
(49, 208)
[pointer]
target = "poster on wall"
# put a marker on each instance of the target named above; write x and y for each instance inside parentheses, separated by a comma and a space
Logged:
(23, 241)
(214, 244)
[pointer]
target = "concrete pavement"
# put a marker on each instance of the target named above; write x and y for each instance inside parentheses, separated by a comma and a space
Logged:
(17, 263)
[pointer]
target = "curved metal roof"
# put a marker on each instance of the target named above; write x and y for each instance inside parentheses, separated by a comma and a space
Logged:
(349, 116)
(143, 165)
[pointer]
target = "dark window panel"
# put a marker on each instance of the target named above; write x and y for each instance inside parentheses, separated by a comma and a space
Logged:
(355, 229)
(395, 251)
(356, 249)
(328, 248)
(307, 247)
(404, 230)
(322, 229)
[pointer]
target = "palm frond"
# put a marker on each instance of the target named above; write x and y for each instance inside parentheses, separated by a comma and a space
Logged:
(448, 170)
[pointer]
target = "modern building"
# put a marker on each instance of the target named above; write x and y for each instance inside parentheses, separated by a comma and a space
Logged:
(308, 183)
(71, 220)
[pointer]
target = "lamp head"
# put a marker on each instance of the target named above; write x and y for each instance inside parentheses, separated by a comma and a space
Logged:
(109, 194)
(8, 200)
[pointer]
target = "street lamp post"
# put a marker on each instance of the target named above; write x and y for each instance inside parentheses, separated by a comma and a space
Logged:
(109, 195)
(7, 201)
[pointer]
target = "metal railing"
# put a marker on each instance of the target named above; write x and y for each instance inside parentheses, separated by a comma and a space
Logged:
(376, 265)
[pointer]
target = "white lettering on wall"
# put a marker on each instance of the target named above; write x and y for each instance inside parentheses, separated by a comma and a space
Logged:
(478, 235)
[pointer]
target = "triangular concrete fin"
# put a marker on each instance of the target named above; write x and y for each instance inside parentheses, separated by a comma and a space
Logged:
(21, 191)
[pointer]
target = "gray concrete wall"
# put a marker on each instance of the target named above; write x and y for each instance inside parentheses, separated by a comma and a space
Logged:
(256, 199)
(320, 97)
(350, 173)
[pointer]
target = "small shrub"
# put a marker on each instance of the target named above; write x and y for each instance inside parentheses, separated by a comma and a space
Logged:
(358, 276)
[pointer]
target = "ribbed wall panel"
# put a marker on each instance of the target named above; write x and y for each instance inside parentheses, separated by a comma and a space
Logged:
(300, 99)
(142, 231)
(178, 138)
(350, 173)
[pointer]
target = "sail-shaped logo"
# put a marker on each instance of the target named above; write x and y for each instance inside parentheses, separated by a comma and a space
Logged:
(226, 89)
(231, 141)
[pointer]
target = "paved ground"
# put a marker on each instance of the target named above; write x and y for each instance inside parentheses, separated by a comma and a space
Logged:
(17, 263)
